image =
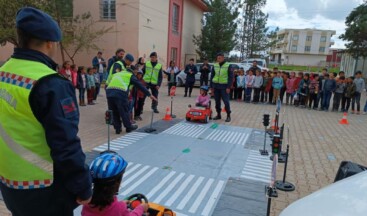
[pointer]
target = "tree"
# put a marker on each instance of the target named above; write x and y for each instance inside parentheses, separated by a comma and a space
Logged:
(79, 33)
(219, 29)
(356, 31)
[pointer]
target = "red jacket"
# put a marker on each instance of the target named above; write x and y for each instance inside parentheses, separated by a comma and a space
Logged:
(268, 85)
(296, 83)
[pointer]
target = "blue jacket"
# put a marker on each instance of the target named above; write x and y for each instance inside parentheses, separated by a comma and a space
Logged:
(95, 62)
(277, 83)
(241, 84)
(190, 78)
(329, 85)
(61, 131)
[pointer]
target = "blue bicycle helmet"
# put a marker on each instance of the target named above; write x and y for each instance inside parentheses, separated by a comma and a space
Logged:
(107, 165)
(205, 88)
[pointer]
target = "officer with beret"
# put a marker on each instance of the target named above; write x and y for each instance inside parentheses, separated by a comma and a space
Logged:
(42, 169)
(220, 83)
(118, 97)
(153, 77)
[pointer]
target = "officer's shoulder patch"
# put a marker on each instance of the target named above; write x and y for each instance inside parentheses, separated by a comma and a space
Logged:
(69, 107)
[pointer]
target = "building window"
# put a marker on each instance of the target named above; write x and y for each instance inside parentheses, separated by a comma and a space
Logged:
(174, 54)
(307, 48)
(295, 37)
(308, 38)
(175, 18)
(108, 9)
(323, 39)
(294, 48)
(322, 49)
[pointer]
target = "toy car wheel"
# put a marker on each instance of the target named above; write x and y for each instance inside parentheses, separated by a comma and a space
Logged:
(206, 120)
(188, 119)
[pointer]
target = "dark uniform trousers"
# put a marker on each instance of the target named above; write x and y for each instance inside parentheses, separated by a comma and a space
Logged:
(120, 110)
(53, 200)
(221, 94)
(154, 91)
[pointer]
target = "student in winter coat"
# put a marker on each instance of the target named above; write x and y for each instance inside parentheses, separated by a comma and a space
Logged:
(290, 88)
(82, 84)
(277, 85)
(258, 83)
(303, 89)
(338, 95)
(314, 91)
(360, 86)
(328, 88)
(91, 85)
(241, 82)
(250, 79)
(171, 72)
(350, 90)
(269, 88)
(263, 93)
(190, 71)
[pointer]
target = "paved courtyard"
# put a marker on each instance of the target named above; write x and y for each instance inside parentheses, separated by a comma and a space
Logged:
(318, 143)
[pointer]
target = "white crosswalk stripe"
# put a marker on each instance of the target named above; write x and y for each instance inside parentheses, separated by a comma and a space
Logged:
(234, 137)
(257, 167)
(122, 142)
(189, 194)
(188, 130)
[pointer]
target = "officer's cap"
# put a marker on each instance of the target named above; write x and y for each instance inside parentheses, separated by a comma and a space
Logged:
(153, 54)
(38, 24)
(220, 54)
(129, 57)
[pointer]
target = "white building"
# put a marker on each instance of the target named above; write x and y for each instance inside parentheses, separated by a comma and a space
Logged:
(307, 47)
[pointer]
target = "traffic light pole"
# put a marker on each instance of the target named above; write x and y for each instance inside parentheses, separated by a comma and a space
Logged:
(266, 122)
(108, 118)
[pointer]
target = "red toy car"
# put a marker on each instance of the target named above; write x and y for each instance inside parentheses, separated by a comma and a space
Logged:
(203, 114)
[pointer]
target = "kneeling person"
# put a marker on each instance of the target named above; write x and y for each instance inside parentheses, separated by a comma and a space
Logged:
(118, 101)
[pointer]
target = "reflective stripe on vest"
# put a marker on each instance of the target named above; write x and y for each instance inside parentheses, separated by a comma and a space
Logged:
(25, 156)
(120, 81)
(152, 73)
(111, 72)
(221, 73)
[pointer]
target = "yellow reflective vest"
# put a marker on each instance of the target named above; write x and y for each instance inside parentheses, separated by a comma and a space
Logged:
(25, 160)
(221, 73)
(120, 81)
(111, 72)
(152, 73)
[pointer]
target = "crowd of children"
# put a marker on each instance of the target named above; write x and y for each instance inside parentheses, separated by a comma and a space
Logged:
(305, 90)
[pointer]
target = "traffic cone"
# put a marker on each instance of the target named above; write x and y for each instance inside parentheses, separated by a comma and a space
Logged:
(167, 117)
(224, 110)
(273, 125)
(344, 120)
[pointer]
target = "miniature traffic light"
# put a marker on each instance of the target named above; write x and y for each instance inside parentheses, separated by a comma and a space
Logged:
(266, 120)
(108, 117)
(276, 146)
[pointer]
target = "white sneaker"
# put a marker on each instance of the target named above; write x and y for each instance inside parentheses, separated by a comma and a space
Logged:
(364, 113)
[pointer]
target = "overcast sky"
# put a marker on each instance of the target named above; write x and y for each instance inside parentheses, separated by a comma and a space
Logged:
(321, 14)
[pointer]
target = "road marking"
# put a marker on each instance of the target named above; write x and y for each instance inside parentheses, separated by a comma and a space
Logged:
(160, 185)
(121, 142)
(234, 137)
(141, 180)
(179, 191)
(201, 196)
(133, 177)
(187, 130)
(257, 167)
(213, 198)
(190, 193)
(169, 188)
(132, 169)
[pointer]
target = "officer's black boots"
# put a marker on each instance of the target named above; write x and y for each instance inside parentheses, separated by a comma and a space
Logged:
(118, 131)
(132, 128)
(218, 117)
(228, 119)
(155, 110)
(190, 94)
(185, 94)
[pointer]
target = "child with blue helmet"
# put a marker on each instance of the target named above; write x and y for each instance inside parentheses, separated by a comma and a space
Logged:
(107, 171)
(203, 99)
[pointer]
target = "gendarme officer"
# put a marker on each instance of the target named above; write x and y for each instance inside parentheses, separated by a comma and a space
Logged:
(153, 77)
(220, 82)
(42, 168)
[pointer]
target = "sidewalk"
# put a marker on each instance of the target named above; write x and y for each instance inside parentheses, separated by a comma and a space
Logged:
(314, 135)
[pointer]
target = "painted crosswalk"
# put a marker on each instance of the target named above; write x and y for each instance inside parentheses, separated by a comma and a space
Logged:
(188, 130)
(186, 193)
(257, 167)
(121, 142)
(234, 137)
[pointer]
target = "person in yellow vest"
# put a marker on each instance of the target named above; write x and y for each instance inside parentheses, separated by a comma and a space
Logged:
(153, 77)
(220, 83)
(42, 168)
(118, 98)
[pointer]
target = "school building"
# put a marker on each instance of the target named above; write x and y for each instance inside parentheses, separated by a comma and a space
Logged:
(140, 27)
